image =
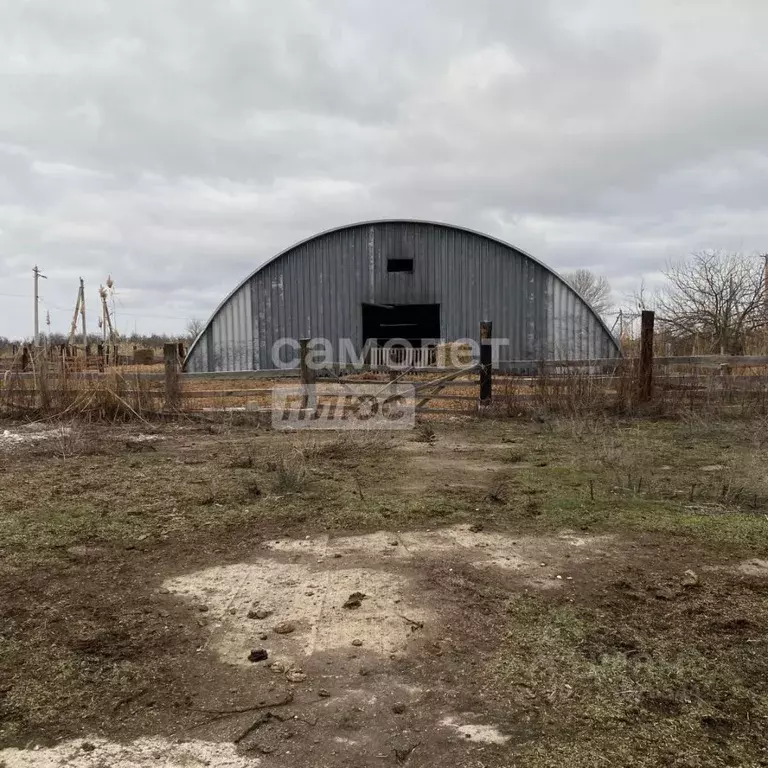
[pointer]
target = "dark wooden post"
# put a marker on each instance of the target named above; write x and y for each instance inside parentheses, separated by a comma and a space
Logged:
(486, 362)
(172, 383)
(726, 381)
(645, 370)
(309, 396)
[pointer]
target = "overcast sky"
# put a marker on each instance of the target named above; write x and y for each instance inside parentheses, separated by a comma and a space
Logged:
(177, 144)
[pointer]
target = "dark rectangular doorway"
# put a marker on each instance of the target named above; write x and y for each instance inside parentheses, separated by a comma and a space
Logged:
(416, 323)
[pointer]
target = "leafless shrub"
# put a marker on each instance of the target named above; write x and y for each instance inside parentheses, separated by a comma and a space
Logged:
(68, 441)
(290, 475)
(574, 392)
(568, 391)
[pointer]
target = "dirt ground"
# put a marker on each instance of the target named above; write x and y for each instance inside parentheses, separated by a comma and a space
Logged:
(470, 593)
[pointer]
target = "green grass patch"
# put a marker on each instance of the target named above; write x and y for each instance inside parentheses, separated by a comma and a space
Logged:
(626, 688)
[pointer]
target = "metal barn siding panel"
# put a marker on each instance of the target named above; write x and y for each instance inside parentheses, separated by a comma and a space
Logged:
(317, 289)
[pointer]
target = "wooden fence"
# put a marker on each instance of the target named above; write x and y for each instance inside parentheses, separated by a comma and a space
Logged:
(564, 384)
(479, 386)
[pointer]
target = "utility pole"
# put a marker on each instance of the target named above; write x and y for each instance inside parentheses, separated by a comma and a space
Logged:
(109, 334)
(38, 274)
(103, 321)
(82, 312)
(79, 310)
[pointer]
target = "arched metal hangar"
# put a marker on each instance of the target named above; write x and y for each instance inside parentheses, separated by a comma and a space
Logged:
(400, 279)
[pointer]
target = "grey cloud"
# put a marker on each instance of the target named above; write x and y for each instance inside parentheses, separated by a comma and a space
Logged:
(177, 144)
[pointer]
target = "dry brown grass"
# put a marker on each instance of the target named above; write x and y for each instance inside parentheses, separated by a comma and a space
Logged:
(51, 392)
(123, 393)
(574, 392)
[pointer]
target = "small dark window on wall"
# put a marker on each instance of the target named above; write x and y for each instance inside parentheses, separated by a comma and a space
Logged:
(399, 265)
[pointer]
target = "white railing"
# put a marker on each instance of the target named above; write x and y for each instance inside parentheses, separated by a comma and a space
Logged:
(403, 357)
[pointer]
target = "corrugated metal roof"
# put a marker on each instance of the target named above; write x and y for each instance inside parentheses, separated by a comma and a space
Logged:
(316, 289)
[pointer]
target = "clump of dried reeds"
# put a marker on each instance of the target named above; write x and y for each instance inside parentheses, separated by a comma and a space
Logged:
(48, 390)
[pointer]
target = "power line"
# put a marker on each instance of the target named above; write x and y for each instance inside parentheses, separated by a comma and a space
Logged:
(129, 314)
(122, 312)
(154, 317)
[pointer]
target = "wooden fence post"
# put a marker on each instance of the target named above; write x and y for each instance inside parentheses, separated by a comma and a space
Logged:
(726, 382)
(172, 383)
(486, 363)
(309, 395)
(645, 371)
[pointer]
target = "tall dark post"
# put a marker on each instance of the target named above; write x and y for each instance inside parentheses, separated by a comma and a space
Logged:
(486, 362)
(309, 396)
(645, 371)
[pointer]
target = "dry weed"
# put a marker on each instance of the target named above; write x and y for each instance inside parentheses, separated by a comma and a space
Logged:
(290, 475)
(51, 391)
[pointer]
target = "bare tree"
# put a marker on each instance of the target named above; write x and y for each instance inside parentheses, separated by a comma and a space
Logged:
(194, 328)
(715, 297)
(596, 290)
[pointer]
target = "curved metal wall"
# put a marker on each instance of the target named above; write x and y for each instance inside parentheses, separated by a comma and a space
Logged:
(316, 290)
